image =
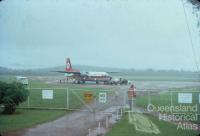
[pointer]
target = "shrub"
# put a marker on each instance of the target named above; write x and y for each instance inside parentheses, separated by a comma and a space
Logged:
(11, 95)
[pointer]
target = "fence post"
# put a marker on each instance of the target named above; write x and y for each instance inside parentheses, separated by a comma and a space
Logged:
(89, 132)
(99, 128)
(112, 118)
(124, 101)
(121, 111)
(171, 99)
(106, 121)
(28, 101)
(67, 98)
(149, 98)
(117, 114)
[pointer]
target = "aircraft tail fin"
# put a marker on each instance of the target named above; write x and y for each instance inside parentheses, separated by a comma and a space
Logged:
(68, 64)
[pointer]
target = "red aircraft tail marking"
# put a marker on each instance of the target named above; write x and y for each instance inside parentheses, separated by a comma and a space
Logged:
(68, 65)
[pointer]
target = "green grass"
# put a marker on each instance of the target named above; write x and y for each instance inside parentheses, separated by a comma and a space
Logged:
(59, 100)
(24, 118)
(7, 78)
(164, 99)
(124, 128)
(160, 78)
(27, 118)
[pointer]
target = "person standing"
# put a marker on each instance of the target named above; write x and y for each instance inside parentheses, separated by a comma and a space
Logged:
(131, 95)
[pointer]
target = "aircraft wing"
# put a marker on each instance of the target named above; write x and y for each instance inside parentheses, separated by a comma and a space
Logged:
(69, 72)
(111, 72)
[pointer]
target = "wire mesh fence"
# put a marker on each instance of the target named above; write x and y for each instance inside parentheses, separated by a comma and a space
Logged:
(183, 102)
(72, 99)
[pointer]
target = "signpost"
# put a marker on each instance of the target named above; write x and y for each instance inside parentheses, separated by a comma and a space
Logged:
(184, 97)
(102, 97)
(88, 97)
(199, 98)
(47, 94)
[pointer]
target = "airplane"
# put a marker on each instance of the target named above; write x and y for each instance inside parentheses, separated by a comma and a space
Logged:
(82, 77)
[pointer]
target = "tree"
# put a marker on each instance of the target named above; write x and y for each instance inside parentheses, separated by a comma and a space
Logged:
(195, 2)
(11, 95)
(196, 11)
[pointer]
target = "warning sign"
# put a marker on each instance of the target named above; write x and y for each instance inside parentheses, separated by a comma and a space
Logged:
(102, 97)
(47, 94)
(88, 97)
(184, 97)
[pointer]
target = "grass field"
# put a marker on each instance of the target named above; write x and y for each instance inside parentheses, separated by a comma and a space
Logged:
(164, 99)
(124, 128)
(59, 98)
(24, 118)
(27, 118)
(7, 78)
(160, 78)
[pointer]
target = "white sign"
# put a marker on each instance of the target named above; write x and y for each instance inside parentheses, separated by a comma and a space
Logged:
(47, 94)
(184, 97)
(23, 80)
(102, 97)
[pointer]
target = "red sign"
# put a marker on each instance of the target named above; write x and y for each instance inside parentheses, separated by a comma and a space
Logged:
(131, 93)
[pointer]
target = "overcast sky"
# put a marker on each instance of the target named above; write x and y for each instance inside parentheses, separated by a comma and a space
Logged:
(136, 34)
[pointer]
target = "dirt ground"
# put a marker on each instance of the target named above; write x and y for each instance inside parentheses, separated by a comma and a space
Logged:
(141, 85)
(78, 123)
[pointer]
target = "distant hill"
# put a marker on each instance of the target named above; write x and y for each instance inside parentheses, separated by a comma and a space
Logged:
(48, 71)
(121, 72)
